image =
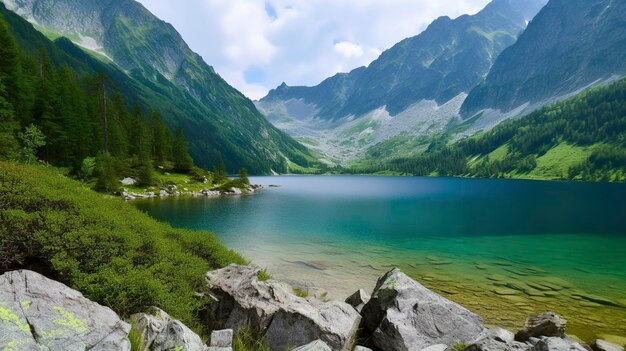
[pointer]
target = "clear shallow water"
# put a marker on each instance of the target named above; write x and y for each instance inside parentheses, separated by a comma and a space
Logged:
(502, 248)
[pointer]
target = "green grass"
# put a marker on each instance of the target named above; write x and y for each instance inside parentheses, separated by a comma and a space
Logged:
(102, 246)
(301, 293)
(246, 340)
(558, 160)
(459, 346)
(489, 35)
(263, 276)
(500, 153)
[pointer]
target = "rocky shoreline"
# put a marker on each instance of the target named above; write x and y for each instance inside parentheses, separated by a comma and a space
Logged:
(175, 191)
(37, 313)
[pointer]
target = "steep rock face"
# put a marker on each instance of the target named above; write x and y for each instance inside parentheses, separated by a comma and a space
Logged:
(38, 313)
(568, 45)
(448, 58)
(220, 122)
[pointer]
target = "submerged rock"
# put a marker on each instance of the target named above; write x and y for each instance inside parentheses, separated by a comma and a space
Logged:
(602, 345)
(37, 313)
(271, 311)
(159, 332)
(404, 315)
(555, 344)
(545, 324)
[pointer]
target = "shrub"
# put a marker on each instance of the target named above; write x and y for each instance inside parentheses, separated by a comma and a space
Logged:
(107, 249)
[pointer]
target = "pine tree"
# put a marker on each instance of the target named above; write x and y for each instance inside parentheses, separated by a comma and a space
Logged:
(107, 177)
(182, 161)
(9, 146)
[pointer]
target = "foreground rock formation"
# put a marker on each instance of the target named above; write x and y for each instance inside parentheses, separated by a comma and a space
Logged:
(37, 313)
(404, 315)
(272, 311)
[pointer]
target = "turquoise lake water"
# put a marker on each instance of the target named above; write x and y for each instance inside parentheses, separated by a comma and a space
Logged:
(503, 248)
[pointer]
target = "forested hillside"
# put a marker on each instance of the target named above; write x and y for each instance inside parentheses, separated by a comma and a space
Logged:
(580, 138)
(51, 113)
(159, 71)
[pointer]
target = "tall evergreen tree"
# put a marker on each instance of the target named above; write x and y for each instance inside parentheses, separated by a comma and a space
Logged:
(182, 161)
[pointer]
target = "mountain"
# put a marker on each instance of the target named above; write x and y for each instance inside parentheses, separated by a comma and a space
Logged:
(219, 121)
(578, 138)
(570, 45)
(416, 86)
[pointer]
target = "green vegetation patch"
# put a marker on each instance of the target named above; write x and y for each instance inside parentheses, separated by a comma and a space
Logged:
(555, 163)
(107, 249)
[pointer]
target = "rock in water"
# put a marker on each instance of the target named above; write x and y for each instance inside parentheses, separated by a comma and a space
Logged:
(159, 332)
(602, 345)
(496, 339)
(271, 311)
(404, 315)
(555, 344)
(317, 345)
(358, 300)
(545, 324)
(37, 313)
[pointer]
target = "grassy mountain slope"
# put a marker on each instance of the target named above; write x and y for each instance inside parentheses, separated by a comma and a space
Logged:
(221, 123)
(580, 138)
(107, 249)
(568, 45)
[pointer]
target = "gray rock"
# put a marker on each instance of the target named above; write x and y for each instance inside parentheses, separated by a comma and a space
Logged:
(270, 310)
(129, 181)
(358, 300)
(37, 313)
(545, 324)
(317, 345)
(404, 315)
(602, 345)
(222, 338)
(362, 348)
(336, 323)
(555, 344)
(496, 339)
(164, 193)
(438, 347)
(159, 332)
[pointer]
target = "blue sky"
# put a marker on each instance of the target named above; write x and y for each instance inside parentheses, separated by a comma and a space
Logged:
(257, 44)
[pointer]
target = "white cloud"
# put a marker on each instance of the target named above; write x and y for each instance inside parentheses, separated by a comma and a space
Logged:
(348, 49)
(300, 42)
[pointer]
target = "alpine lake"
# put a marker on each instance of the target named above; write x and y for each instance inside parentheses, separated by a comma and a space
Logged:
(505, 249)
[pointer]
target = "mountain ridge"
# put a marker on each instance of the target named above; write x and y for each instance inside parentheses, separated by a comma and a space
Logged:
(222, 125)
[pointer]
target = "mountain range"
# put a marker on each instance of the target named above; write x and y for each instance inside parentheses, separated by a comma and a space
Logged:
(457, 78)
(220, 122)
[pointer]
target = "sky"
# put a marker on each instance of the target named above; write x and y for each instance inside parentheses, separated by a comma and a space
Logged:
(255, 45)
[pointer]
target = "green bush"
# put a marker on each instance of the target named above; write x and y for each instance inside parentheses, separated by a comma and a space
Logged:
(107, 249)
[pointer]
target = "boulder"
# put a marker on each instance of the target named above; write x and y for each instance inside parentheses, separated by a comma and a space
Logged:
(438, 347)
(221, 338)
(317, 345)
(362, 348)
(270, 310)
(163, 193)
(545, 324)
(159, 332)
(602, 345)
(37, 313)
(554, 344)
(129, 181)
(404, 315)
(496, 339)
(358, 300)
